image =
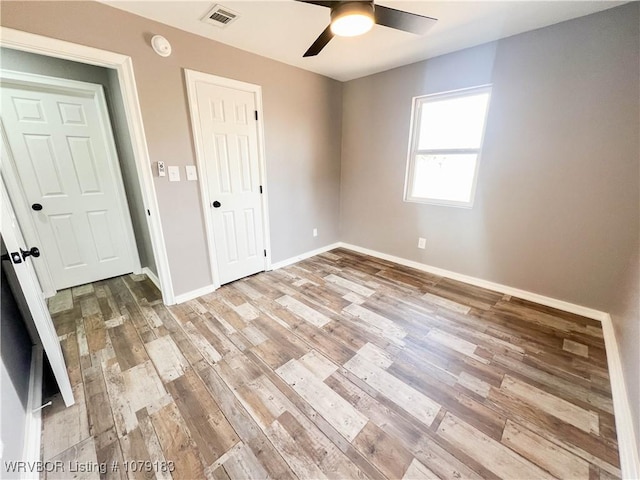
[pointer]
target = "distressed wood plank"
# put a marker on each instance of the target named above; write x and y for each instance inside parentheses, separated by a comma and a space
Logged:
(335, 409)
(495, 457)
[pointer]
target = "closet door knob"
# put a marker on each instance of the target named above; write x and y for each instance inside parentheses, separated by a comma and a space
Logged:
(32, 252)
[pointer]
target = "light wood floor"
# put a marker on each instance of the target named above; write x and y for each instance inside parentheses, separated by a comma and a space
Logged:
(341, 366)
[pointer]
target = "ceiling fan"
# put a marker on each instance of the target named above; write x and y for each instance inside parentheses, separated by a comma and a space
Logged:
(352, 18)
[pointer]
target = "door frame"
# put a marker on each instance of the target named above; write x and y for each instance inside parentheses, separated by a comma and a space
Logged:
(191, 78)
(123, 65)
(34, 296)
(14, 184)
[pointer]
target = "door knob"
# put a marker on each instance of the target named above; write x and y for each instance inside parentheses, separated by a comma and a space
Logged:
(217, 204)
(36, 206)
(33, 252)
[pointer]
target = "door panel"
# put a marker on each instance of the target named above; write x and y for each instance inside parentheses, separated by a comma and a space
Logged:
(26, 276)
(65, 160)
(230, 146)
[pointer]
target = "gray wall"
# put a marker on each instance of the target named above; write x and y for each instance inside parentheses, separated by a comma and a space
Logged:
(302, 118)
(556, 210)
(55, 67)
(129, 171)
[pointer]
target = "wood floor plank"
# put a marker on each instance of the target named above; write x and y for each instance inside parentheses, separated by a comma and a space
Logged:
(335, 409)
(127, 345)
(414, 402)
(448, 304)
(318, 364)
(303, 311)
(339, 366)
(176, 443)
(583, 419)
(300, 462)
(208, 427)
(156, 456)
(134, 447)
(97, 401)
(79, 461)
(378, 321)
(495, 457)
(542, 452)
(64, 427)
(167, 358)
(244, 464)
(383, 451)
(455, 343)
(349, 285)
(418, 471)
(110, 455)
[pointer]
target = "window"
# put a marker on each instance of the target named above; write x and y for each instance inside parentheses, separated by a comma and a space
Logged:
(445, 145)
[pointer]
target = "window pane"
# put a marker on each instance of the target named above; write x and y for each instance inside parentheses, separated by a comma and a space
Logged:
(444, 177)
(452, 123)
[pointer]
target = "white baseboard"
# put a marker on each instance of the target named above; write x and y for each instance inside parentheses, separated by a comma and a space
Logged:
(304, 256)
(478, 282)
(185, 297)
(152, 276)
(627, 442)
(33, 427)
(274, 266)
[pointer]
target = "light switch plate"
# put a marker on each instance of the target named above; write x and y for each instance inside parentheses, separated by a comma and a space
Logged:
(174, 174)
(192, 173)
(161, 171)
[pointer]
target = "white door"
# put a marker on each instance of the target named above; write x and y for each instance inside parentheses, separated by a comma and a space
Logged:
(229, 155)
(62, 152)
(34, 297)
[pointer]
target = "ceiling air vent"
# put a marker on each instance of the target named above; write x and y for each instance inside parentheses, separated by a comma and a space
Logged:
(220, 16)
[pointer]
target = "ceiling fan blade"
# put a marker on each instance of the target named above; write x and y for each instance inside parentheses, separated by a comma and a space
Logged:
(400, 20)
(318, 2)
(320, 43)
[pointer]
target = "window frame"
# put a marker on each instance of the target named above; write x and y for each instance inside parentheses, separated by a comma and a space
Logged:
(413, 151)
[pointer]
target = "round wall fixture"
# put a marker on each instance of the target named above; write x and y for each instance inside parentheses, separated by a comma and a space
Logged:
(161, 45)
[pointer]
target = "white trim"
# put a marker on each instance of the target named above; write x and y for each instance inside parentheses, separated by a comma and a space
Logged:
(191, 77)
(627, 442)
(152, 276)
(304, 256)
(123, 64)
(185, 297)
(94, 92)
(33, 426)
(478, 282)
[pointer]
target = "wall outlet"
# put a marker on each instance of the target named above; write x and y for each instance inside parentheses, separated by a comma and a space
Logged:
(174, 174)
(191, 172)
(161, 171)
(422, 242)
(315, 232)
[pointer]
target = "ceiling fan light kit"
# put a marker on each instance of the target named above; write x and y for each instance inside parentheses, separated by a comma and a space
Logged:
(352, 19)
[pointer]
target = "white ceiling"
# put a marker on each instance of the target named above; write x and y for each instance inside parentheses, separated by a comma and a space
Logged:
(283, 30)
